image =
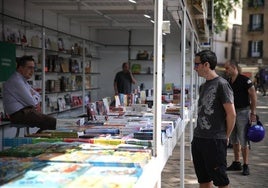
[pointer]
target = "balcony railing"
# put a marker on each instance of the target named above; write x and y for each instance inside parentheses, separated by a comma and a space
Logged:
(255, 27)
(256, 3)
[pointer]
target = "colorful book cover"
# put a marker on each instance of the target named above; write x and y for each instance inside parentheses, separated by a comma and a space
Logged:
(95, 177)
(136, 68)
(11, 168)
(52, 175)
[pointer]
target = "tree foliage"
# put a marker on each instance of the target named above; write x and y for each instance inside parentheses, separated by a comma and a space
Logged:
(222, 10)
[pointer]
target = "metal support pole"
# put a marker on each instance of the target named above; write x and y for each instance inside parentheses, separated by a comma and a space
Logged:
(182, 111)
(84, 77)
(192, 90)
(158, 7)
(43, 64)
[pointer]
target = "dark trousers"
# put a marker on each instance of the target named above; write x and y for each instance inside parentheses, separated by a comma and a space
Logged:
(29, 116)
(262, 87)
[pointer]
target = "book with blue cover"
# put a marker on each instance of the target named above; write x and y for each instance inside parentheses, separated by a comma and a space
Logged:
(11, 168)
(52, 175)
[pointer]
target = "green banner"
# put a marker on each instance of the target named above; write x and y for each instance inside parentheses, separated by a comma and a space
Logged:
(7, 60)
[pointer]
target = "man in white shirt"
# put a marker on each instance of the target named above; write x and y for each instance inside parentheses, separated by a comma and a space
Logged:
(21, 102)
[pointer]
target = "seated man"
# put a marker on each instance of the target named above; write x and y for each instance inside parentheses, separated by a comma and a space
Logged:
(21, 102)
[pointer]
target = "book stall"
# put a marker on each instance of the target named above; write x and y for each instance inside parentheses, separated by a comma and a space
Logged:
(112, 150)
(122, 146)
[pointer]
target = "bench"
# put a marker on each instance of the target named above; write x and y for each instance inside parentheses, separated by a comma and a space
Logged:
(19, 127)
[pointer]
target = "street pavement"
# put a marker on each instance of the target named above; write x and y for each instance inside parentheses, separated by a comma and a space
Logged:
(258, 161)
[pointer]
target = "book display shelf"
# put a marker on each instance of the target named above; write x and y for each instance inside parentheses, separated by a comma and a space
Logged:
(114, 149)
(111, 150)
(141, 61)
(63, 63)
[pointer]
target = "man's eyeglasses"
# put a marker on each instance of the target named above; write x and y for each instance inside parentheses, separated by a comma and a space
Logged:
(196, 64)
(29, 67)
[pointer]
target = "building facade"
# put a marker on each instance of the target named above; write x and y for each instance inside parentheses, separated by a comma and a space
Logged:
(254, 44)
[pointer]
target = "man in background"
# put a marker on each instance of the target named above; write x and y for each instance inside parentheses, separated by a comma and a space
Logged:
(245, 100)
(123, 80)
(21, 102)
(262, 81)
